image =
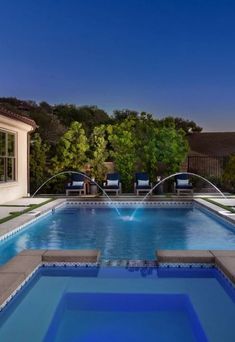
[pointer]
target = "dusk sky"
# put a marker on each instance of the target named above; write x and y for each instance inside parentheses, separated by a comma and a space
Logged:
(168, 57)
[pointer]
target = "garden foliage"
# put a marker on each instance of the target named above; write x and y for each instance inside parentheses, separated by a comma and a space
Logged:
(70, 137)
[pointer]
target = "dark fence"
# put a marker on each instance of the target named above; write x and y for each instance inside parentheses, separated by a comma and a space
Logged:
(208, 166)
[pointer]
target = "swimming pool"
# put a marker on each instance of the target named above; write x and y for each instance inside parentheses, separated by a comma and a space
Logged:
(121, 304)
(118, 237)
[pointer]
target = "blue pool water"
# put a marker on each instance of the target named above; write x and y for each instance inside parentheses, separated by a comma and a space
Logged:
(118, 237)
(121, 304)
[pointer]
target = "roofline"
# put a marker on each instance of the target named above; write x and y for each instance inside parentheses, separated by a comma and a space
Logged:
(217, 132)
(12, 115)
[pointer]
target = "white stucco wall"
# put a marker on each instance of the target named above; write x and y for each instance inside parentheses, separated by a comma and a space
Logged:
(13, 190)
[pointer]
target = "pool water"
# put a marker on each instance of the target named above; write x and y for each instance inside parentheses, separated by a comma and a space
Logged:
(121, 304)
(125, 317)
(118, 237)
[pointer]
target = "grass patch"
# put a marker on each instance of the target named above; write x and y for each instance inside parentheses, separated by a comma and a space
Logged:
(225, 207)
(18, 213)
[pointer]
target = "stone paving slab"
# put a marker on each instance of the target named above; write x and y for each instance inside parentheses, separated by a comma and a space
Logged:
(209, 205)
(226, 201)
(9, 283)
(71, 256)
(14, 223)
(24, 264)
(35, 252)
(5, 211)
(223, 253)
(184, 256)
(224, 259)
(227, 265)
(27, 201)
(13, 273)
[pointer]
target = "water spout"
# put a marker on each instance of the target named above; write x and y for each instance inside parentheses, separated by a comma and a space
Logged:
(87, 177)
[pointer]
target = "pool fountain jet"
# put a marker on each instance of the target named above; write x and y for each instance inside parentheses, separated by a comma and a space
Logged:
(168, 177)
(87, 177)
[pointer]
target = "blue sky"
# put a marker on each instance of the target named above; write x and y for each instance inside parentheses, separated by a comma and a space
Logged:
(168, 57)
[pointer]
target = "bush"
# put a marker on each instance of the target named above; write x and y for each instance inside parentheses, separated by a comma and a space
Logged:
(229, 174)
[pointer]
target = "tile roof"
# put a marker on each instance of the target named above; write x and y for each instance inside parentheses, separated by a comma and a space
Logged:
(212, 143)
(12, 115)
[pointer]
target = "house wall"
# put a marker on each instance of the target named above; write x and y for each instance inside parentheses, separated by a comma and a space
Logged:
(16, 189)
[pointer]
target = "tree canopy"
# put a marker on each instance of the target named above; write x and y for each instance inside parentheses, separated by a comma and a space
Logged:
(72, 137)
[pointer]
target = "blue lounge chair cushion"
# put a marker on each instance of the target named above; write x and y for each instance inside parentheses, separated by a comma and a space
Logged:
(188, 186)
(77, 182)
(182, 182)
(70, 186)
(112, 181)
(142, 181)
(139, 187)
(111, 187)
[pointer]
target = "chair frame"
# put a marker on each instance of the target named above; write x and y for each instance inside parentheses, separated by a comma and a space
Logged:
(118, 190)
(137, 191)
(183, 190)
(79, 191)
(179, 191)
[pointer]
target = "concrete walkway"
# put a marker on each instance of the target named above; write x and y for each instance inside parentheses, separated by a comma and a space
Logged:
(27, 201)
(15, 223)
(230, 202)
(19, 205)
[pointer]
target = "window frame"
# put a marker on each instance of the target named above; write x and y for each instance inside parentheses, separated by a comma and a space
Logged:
(6, 157)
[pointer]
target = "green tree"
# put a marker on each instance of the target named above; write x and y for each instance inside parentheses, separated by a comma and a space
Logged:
(72, 150)
(229, 173)
(122, 139)
(188, 126)
(147, 152)
(89, 116)
(121, 115)
(38, 155)
(99, 152)
(159, 148)
(172, 148)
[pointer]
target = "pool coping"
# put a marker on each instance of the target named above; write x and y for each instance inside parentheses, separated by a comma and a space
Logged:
(16, 272)
(222, 259)
(12, 226)
(19, 270)
(222, 213)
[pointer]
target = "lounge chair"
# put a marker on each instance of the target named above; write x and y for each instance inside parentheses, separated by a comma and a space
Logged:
(112, 183)
(77, 184)
(142, 183)
(183, 185)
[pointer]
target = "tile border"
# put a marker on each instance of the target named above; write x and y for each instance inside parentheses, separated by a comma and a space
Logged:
(28, 266)
(132, 264)
(131, 204)
(28, 223)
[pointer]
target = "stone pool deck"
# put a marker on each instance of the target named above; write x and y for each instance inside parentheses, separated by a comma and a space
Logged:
(23, 219)
(225, 260)
(17, 270)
